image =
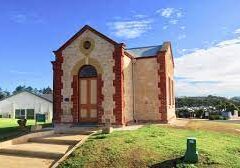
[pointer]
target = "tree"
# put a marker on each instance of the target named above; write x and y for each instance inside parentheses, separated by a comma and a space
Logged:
(19, 88)
(4, 94)
(29, 88)
(1, 94)
(46, 90)
(231, 107)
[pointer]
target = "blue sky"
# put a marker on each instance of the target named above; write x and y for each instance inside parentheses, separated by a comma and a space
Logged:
(201, 32)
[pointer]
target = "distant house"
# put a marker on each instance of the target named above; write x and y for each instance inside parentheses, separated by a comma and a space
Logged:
(26, 104)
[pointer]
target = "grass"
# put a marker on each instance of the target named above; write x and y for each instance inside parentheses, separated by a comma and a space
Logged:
(156, 146)
(8, 122)
(216, 126)
(9, 128)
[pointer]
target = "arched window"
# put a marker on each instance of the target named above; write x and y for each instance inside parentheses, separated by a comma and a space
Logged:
(87, 71)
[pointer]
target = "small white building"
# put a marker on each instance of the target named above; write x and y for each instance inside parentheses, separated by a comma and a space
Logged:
(26, 104)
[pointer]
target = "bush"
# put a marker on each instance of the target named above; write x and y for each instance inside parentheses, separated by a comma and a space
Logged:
(199, 113)
(214, 117)
(22, 123)
(183, 113)
(217, 117)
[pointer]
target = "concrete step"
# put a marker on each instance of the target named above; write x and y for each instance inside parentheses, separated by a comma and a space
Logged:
(36, 150)
(53, 141)
(7, 161)
(75, 130)
(43, 155)
(66, 139)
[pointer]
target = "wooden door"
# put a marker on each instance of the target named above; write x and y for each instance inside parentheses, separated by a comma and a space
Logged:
(88, 99)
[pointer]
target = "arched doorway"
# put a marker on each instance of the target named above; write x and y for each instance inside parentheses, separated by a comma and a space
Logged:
(87, 94)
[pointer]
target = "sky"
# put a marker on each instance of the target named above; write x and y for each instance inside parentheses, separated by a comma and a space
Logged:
(205, 37)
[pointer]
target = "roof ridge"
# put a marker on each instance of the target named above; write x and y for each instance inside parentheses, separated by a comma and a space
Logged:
(143, 47)
(30, 92)
(81, 31)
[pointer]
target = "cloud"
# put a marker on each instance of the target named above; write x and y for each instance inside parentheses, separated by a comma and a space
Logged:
(166, 12)
(139, 16)
(170, 12)
(174, 21)
(165, 27)
(182, 36)
(19, 18)
(214, 70)
(179, 14)
(182, 27)
(185, 51)
(21, 72)
(237, 31)
(130, 29)
(171, 15)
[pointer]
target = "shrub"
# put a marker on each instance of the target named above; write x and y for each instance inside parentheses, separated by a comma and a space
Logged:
(214, 117)
(217, 117)
(22, 123)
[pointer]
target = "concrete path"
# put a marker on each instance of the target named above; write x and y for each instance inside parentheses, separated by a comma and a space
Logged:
(38, 152)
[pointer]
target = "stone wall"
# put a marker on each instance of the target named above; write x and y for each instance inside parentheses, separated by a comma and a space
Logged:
(170, 85)
(102, 54)
(146, 90)
(128, 89)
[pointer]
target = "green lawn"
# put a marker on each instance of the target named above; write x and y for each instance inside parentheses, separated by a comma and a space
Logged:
(9, 128)
(7, 122)
(156, 146)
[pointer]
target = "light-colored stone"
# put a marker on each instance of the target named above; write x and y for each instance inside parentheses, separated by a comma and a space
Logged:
(103, 54)
(140, 97)
(128, 88)
(36, 127)
(170, 91)
(146, 90)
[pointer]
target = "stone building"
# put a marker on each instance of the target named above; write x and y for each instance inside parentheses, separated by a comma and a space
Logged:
(97, 79)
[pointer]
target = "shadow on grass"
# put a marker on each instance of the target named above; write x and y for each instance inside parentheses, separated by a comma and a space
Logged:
(14, 132)
(172, 163)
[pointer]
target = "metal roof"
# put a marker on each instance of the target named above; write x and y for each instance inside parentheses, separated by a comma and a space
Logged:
(144, 51)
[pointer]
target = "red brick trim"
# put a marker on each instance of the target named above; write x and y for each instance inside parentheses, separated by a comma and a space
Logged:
(162, 85)
(75, 98)
(57, 87)
(86, 27)
(100, 98)
(118, 84)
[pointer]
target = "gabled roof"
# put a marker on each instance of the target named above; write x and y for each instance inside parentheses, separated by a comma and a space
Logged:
(81, 31)
(144, 51)
(49, 98)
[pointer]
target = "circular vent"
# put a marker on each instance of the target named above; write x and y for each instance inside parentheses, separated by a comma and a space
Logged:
(86, 45)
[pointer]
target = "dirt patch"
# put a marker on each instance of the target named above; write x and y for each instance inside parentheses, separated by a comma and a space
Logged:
(207, 125)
